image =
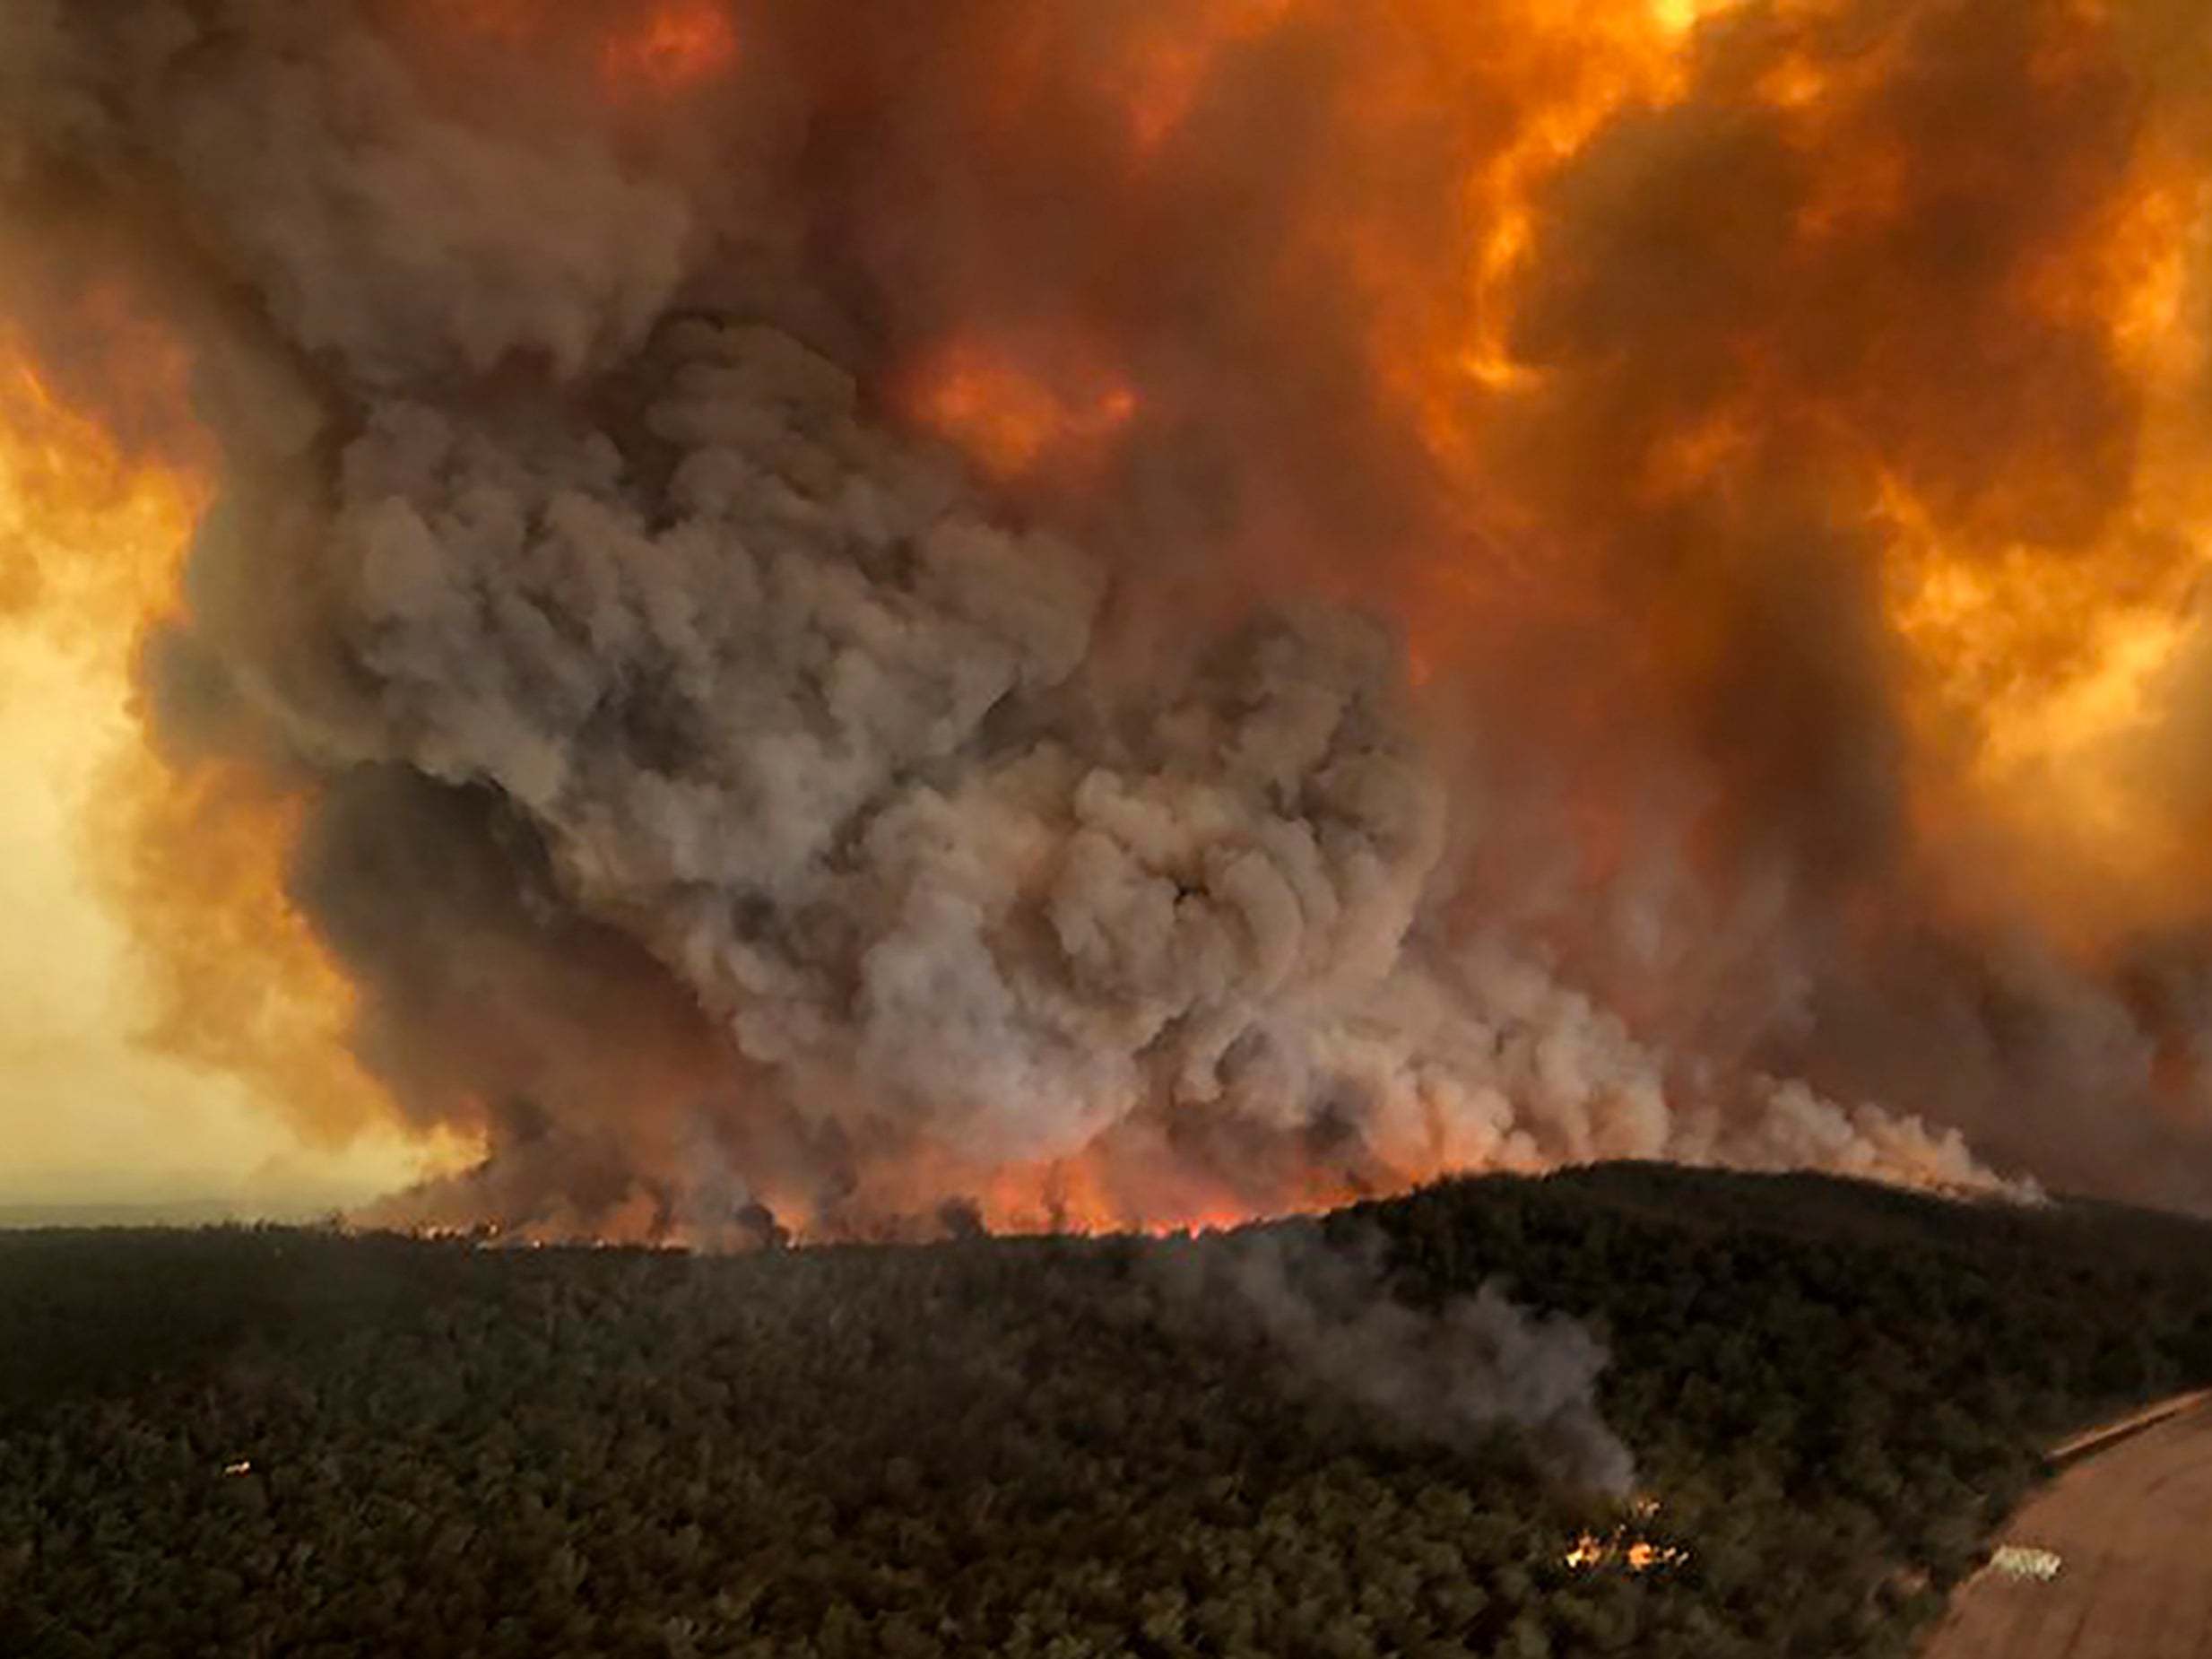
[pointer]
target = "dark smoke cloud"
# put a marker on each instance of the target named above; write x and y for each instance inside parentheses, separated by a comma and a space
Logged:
(720, 796)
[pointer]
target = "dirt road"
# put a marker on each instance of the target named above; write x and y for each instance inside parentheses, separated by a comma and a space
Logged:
(2134, 1525)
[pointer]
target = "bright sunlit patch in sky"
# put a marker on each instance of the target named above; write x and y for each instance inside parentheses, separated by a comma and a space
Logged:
(88, 1115)
(90, 1110)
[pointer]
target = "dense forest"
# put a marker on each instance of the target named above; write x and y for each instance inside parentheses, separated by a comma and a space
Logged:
(266, 1441)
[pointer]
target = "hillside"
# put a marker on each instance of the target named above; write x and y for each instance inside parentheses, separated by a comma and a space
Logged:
(276, 1441)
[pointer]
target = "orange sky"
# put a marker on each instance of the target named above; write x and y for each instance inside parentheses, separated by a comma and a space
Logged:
(91, 1110)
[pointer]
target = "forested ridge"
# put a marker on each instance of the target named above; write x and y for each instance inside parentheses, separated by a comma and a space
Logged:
(264, 1441)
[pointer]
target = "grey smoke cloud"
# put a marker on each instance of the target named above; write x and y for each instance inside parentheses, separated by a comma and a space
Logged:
(1450, 1376)
(720, 795)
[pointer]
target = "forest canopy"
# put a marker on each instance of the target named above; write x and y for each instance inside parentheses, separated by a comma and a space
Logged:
(252, 1441)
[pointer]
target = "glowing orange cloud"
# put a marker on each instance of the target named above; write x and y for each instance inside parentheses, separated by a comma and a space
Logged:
(656, 49)
(1166, 70)
(679, 44)
(1009, 420)
(92, 545)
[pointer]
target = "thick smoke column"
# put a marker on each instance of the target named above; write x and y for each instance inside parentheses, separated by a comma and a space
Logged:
(1150, 614)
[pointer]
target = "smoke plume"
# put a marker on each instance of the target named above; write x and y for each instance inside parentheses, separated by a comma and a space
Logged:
(1152, 612)
(1448, 1376)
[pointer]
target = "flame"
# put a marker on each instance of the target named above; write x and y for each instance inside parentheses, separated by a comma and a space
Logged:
(1099, 1192)
(1123, 1181)
(1623, 1547)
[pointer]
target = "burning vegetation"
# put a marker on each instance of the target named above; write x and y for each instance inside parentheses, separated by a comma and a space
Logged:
(1077, 617)
(1624, 1549)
